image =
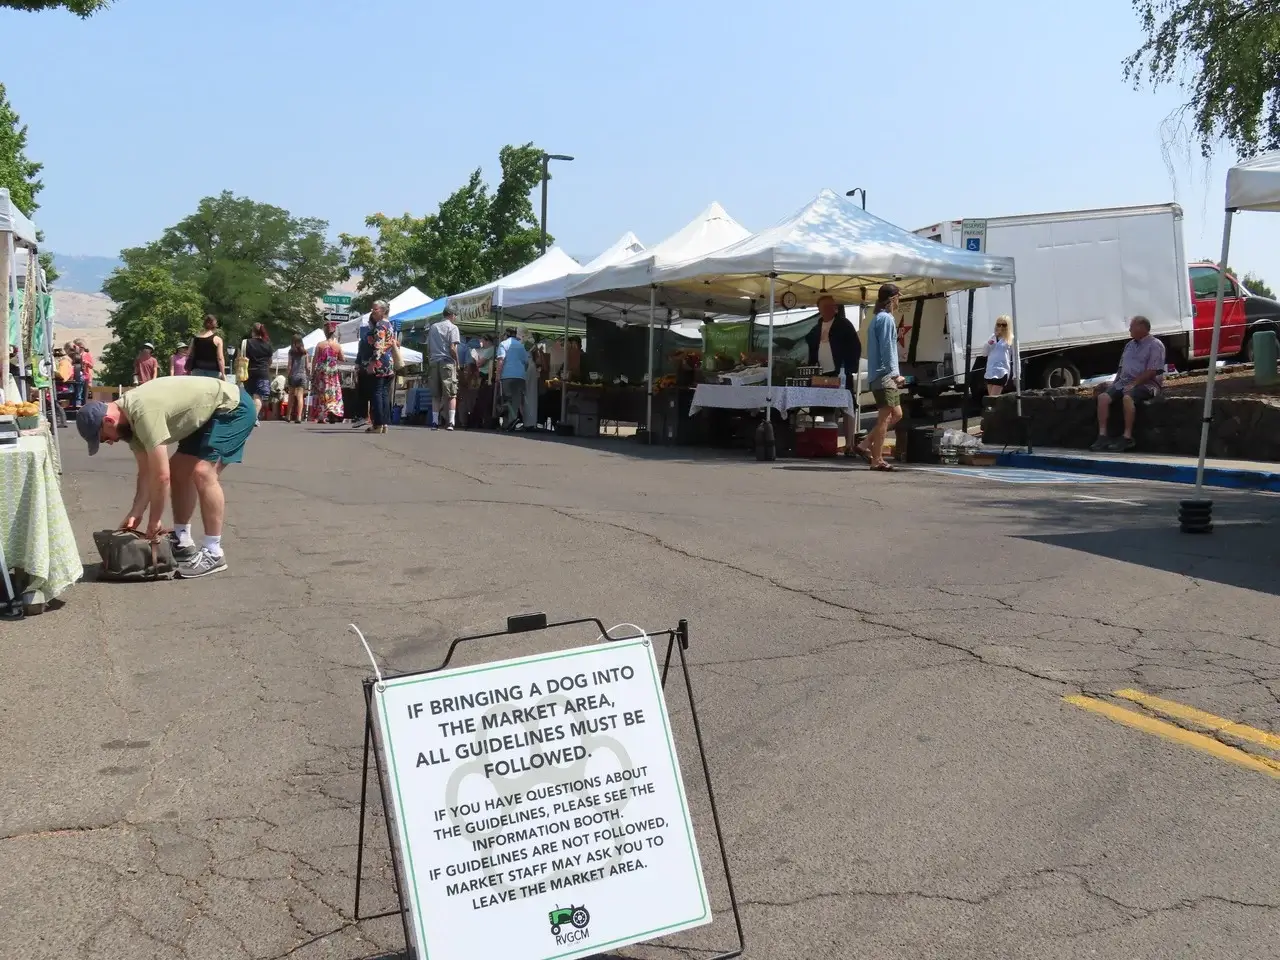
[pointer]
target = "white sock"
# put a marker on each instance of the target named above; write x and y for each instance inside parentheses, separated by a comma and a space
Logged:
(183, 532)
(451, 413)
(212, 545)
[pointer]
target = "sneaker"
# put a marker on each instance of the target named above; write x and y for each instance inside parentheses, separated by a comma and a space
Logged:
(1102, 443)
(1124, 445)
(182, 553)
(201, 565)
(449, 426)
(359, 422)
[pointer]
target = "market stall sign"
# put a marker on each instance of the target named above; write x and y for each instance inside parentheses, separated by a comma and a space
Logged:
(538, 805)
(472, 308)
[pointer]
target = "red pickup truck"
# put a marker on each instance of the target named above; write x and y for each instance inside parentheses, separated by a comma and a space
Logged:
(1243, 313)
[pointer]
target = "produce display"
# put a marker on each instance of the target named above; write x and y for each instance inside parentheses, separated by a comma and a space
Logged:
(19, 409)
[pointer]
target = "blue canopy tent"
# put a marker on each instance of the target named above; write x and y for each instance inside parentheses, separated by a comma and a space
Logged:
(415, 317)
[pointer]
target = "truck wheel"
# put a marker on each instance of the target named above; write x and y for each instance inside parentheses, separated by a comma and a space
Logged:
(1059, 372)
(581, 918)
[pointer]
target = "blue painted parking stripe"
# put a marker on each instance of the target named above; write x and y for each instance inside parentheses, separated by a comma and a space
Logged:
(1016, 475)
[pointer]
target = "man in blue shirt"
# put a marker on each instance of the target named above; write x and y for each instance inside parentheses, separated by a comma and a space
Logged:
(513, 362)
(883, 376)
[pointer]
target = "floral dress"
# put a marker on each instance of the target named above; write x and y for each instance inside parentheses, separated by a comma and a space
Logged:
(326, 381)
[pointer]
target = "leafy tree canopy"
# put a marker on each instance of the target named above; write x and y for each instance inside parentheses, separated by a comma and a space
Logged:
(81, 8)
(19, 173)
(475, 235)
(1225, 55)
(1255, 284)
(242, 261)
(151, 306)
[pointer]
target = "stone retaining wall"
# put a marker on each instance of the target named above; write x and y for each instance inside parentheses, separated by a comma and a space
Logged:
(1243, 428)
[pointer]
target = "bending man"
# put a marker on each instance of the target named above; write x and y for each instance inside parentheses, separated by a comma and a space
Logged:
(210, 420)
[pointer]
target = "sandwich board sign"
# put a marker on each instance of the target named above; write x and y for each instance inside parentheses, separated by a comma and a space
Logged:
(537, 805)
(973, 235)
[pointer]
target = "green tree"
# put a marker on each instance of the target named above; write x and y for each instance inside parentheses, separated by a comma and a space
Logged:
(1255, 284)
(151, 306)
(250, 263)
(19, 173)
(1225, 55)
(81, 8)
(475, 235)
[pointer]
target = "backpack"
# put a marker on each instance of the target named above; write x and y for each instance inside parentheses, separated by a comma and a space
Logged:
(129, 556)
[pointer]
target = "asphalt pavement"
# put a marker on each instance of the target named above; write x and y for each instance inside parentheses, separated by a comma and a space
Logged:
(882, 663)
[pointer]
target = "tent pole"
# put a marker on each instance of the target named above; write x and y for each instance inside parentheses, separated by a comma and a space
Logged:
(493, 368)
(1213, 355)
(968, 359)
(648, 400)
(769, 373)
(1017, 357)
(564, 367)
(6, 268)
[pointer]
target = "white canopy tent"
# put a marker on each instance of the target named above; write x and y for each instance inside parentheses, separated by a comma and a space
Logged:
(1252, 185)
(549, 268)
(833, 247)
(309, 343)
(615, 290)
(349, 330)
(547, 299)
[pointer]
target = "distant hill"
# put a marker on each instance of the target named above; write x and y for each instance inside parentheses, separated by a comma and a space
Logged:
(83, 274)
(81, 315)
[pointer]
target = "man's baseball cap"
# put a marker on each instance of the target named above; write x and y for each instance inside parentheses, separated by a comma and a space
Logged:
(89, 423)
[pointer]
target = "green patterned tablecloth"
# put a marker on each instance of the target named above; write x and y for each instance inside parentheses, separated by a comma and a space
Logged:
(34, 530)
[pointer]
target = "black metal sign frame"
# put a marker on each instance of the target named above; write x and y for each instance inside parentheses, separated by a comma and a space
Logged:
(677, 642)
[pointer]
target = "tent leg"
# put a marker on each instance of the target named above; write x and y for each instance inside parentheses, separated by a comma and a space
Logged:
(968, 355)
(564, 368)
(766, 444)
(493, 369)
(648, 400)
(1196, 515)
(1017, 361)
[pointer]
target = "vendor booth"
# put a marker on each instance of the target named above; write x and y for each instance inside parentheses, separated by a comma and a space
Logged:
(38, 554)
(830, 247)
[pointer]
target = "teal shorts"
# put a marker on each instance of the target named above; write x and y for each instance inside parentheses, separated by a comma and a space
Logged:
(222, 439)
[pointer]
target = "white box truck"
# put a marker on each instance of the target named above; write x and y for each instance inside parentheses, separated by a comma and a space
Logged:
(1081, 275)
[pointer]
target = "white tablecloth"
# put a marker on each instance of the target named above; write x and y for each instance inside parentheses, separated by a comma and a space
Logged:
(784, 399)
(36, 533)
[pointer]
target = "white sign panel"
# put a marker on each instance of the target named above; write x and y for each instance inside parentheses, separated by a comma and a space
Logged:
(539, 806)
(973, 235)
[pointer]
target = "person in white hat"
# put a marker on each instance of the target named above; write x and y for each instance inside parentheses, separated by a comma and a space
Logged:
(145, 366)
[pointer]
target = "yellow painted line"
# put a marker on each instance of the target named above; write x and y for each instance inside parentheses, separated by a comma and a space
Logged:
(1188, 738)
(1178, 711)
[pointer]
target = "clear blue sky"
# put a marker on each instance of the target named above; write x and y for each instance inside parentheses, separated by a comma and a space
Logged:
(340, 109)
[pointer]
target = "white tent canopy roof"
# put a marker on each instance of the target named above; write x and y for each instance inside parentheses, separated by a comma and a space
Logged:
(309, 342)
(546, 300)
(548, 268)
(833, 246)
(1255, 184)
(629, 280)
(349, 330)
(13, 220)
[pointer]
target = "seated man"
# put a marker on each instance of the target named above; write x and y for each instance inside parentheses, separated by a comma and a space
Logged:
(1141, 376)
(210, 420)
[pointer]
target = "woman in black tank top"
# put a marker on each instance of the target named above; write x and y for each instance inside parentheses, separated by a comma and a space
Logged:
(205, 358)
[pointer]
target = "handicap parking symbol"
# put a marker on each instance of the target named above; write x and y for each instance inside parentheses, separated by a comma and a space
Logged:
(973, 244)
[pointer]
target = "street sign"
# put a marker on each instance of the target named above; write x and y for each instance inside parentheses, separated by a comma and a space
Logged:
(337, 315)
(337, 299)
(538, 806)
(973, 235)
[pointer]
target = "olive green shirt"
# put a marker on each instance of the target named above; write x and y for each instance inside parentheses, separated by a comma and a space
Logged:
(170, 409)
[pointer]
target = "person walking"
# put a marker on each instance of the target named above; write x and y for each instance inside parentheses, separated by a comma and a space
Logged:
(378, 342)
(1000, 358)
(178, 361)
(77, 374)
(205, 356)
(299, 371)
(883, 375)
(210, 420)
(87, 364)
(326, 376)
(145, 365)
(443, 339)
(257, 350)
(513, 364)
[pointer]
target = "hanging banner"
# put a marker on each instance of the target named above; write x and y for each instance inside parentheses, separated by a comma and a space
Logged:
(472, 308)
(538, 806)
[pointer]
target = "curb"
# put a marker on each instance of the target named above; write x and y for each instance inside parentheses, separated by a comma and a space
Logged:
(1145, 470)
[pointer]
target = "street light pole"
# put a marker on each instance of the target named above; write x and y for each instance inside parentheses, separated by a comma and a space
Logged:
(855, 190)
(546, 162)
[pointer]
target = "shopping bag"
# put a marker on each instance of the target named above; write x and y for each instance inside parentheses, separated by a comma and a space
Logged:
(129, 556)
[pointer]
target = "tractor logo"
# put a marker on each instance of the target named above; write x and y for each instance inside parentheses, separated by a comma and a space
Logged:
(564, 916)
